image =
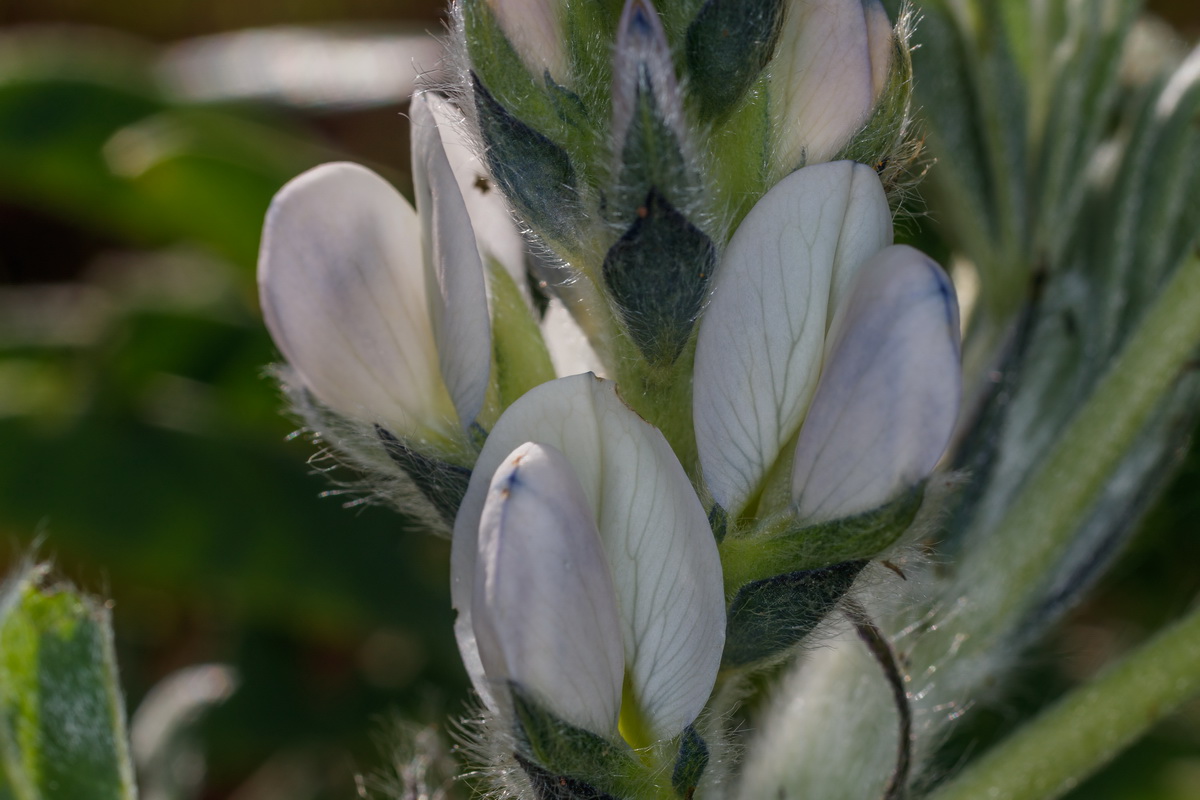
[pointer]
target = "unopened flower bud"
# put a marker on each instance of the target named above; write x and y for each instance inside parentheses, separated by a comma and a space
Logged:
(534, 30)
(643, 73)
(829, 70)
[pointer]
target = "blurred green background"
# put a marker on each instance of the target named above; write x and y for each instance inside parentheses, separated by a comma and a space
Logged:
(141, 445)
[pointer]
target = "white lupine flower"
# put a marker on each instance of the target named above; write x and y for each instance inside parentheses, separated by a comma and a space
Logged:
(543, 603)
(886, 405)
(602, 472)
(758, 352)
(348, 298)
(382, 310)
(809, 289)
(830, 67)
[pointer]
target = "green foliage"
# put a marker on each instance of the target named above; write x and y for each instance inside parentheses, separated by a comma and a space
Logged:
(535, 173)
(769, 617)
(779, 545)
(62, 719)
(657, 275)
(728, 44)
(84, 135)
(1018, 97)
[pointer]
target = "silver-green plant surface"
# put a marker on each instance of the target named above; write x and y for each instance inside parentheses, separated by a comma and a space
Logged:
(646, 348)
(62, 718)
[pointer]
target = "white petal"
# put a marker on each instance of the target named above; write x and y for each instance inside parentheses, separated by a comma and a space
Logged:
(496, 232)
(342, 290)
(535, 32)
(889, 397)
(666, 570)
(880, 44)
(822, 76)
(570, 351)
(458, 299)
(759, 347)
(654, 531)
(544, 609)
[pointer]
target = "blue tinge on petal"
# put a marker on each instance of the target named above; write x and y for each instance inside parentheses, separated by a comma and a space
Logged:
(544, 607)
(663, 560)
(888, 398)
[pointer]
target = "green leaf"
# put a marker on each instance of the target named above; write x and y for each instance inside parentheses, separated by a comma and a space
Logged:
(975, 100)
(1083, 730)
(535, 173)
(62, 721)
(1078, 105)
(520, 360)
(778, 546)
(768, 617)
(657, 275)
(728, 44)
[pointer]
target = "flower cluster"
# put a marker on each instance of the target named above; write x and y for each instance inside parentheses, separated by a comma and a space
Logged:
(696, 193)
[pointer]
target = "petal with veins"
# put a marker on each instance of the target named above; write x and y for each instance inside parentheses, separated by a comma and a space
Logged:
(653, 529)
(342, 290)
(888, 400)
(758, 351)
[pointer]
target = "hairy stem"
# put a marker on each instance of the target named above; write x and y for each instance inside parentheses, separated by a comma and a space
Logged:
(881, 651)
(1008, 568)
(1079, 734)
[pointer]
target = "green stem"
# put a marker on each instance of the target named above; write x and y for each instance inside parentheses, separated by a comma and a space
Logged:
(1079, 734)
(1009, 565)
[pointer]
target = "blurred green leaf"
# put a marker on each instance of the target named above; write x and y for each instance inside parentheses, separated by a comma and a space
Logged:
(98, 144)
(62, 721)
